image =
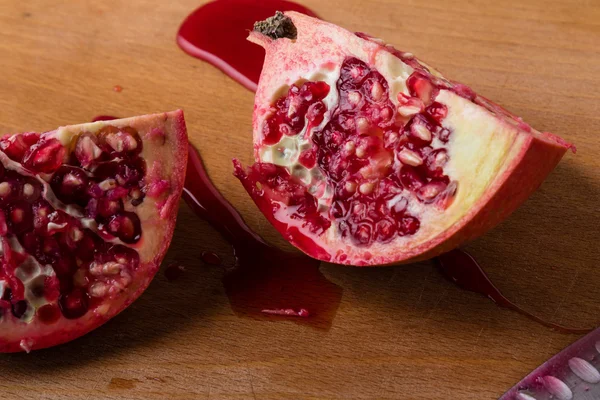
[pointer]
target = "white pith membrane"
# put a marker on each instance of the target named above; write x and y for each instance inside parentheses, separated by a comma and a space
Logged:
(109, 285)
(483, 144)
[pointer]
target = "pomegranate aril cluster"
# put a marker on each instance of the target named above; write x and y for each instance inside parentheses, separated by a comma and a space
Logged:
(68, 211)
(285, 190)
(290, 113)
(380, 156)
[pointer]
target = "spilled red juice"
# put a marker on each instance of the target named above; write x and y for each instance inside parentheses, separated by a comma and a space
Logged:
(217, 32)
(210, 258)
(174, 271)
(267, 282)
(462, 269)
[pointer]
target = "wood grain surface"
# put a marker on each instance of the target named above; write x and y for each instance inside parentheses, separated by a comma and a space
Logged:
(399, 333)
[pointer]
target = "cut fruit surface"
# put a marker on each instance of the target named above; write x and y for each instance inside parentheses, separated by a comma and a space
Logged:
(87, 213)
(368, 156)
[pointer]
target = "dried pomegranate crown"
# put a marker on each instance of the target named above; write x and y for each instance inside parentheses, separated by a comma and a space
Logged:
(368, 156)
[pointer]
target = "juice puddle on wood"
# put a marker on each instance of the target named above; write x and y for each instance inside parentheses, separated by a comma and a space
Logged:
(217, 32)
(462, 269)
(267, 282)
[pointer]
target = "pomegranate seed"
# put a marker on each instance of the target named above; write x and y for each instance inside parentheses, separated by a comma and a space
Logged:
(107, 184)
(421, 86)
(411, 178)
(409, 157)
(21, 217)
(362, 124)
(366, 188)
(308, 158)
(14, 147)
(5, 190)
(19, 308)
(32, 191)
(74, 304)
(430, 191)
(354, 98)
(120, 141)
(445, 199)
(121, 192)
(409, 106)
(316, 113)
(45, 156)
(398, 207)
(363, 234)
(383, 116)
(385, 230)
(437, 111)
(70, 185)
(353, 73)
(125, 226)
(48, 314)
(338, 210)
(87, 150)
(443, 134)
(436, 160)
(98, 289)
(420, 131)
(51, 288)
(350, 187)
(408, 226)
(106, 208)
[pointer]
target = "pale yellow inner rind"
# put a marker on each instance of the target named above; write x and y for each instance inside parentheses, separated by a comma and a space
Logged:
(479, 148)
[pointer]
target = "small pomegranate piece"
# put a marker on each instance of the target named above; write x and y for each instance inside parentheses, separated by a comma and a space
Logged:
(76, 250)
(378, 159)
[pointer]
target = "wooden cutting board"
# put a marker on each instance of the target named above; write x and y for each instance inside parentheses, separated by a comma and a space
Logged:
(398, 333)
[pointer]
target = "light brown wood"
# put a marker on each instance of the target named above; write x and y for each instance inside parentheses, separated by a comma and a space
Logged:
(399, 333)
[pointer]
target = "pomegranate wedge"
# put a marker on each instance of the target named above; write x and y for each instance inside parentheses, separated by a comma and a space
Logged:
(368, 156)
(87, 213)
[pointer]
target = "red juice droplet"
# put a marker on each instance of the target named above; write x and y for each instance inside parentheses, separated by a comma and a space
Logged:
(217, 32)
(210, 258)
(174, 271)
(265, 278)
(118, 88)
(462, 269)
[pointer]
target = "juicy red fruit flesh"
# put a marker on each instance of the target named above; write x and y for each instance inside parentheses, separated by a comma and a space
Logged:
(379, 157)
(289, 112)
(88, 266)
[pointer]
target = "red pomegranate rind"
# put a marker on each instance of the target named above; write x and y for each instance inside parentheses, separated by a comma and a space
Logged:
(82, 238)
(262, 189)
(385, 160)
